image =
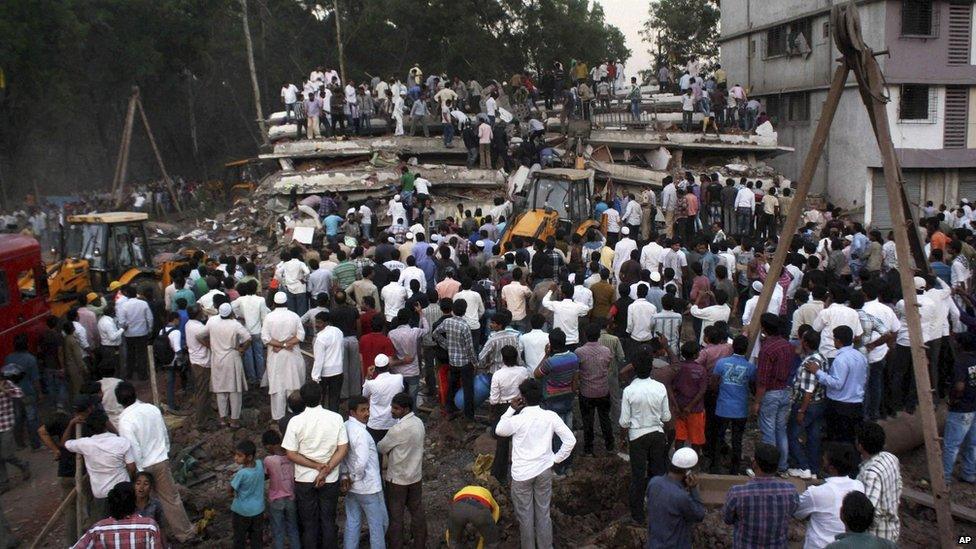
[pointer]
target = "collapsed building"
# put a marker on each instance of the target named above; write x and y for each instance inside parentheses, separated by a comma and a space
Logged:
(624, 153)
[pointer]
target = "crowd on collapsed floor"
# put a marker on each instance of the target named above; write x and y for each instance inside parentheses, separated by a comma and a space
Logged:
(641, 326)
(326, 106)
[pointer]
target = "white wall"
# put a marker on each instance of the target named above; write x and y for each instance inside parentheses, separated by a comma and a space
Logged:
(918, 135)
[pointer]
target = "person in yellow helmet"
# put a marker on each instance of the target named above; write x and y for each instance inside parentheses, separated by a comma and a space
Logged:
(473, 505)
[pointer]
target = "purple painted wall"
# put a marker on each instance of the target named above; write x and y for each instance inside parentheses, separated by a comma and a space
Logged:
(922, 60)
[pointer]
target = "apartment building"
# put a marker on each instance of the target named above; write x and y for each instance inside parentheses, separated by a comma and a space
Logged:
(783, 52)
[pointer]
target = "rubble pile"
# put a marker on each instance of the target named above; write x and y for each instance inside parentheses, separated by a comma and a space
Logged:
(245, 229)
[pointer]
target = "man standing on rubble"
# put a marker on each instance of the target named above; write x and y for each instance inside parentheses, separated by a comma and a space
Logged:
(142, 425)
(669, 202)
(282, 332)
(228, 341)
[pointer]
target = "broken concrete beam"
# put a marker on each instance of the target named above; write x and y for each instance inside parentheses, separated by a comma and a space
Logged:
(624, 118)
(727, 142)
(364, 146)
(373, 180)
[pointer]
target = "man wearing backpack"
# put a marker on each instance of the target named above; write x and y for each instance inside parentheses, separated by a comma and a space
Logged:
(169, 353)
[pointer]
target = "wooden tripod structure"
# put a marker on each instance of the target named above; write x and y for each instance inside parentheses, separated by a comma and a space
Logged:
(860, 59)
(122, 162)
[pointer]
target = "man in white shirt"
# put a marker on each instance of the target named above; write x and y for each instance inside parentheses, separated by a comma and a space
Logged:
(774, 303)
(669, 201)
(394, 297)
(316, 442)
(650, 257)
(289, 96)
(532, 344)
(412, 272)
(109, 459)
(640, 317)
(329, 359)
(885, 331)
(632, 215)
(821, 504)
(745, 205)
(532, 430)
(380, 391)
(643, 412)
(198, 351)
(835, 314)
(612, 218)
(621, 251)
(360, 478)
(143, 426)
(252, 309)
(475, 310)
(292, 274)
(719, 312)
(566, 313)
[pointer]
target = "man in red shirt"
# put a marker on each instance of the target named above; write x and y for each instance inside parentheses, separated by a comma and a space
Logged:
(124, 529)
(772, 402)
(374, 343)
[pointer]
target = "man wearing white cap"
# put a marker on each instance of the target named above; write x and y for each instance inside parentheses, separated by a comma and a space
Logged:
(621, 251)
(673, 503)
(228, 340)
(380, 391)
(900, 386)
(281, 333)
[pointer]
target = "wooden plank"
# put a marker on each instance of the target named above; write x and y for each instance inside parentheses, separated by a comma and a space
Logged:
(921, 498)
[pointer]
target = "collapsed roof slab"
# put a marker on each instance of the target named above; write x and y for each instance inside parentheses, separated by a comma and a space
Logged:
(363, 146)
(363, 180)
(725, 143)
(646, 177)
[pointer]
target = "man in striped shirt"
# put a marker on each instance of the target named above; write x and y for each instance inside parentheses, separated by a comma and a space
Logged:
(124, 529)
(881, 474)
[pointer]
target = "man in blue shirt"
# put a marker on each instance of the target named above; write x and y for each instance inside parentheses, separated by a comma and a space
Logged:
(844, 387)
(673, 503)
(939, 267)
(734, 374)
(331, 223)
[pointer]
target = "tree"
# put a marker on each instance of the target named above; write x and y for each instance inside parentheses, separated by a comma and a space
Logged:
(683, 29)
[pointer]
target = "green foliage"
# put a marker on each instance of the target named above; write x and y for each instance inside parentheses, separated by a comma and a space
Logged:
(683, 29)
(70, 65)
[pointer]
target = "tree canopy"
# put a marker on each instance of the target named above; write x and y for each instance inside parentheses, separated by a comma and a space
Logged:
(68, 66)
(683, 29)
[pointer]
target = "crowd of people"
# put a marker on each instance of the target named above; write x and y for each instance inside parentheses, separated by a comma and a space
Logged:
(643, 327)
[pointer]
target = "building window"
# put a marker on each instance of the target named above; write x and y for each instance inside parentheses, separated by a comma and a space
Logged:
(917, 17)
(914, 103)
(776, 41)
(799, 107)
(791, 38)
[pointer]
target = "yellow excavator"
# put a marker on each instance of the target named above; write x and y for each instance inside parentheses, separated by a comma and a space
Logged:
(554, 198)
(99, 248)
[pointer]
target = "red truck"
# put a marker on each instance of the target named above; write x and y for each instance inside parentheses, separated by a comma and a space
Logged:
(23, 291)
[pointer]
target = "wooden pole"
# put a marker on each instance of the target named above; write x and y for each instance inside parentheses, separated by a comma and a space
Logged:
(796, 206)
(254, 73)
(49, 525)
(79, 485)
(342, 57)
(152, 378)
(159, 158)
(870, 94)
(122, 163)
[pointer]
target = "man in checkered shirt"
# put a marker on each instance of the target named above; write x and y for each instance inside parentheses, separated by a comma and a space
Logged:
(454, 335)
(881, 474)
(124, 529)
(8, 392)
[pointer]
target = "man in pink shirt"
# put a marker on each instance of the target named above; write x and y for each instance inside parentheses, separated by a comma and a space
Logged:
(484, 144)
(281, 492)
(693, 206)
